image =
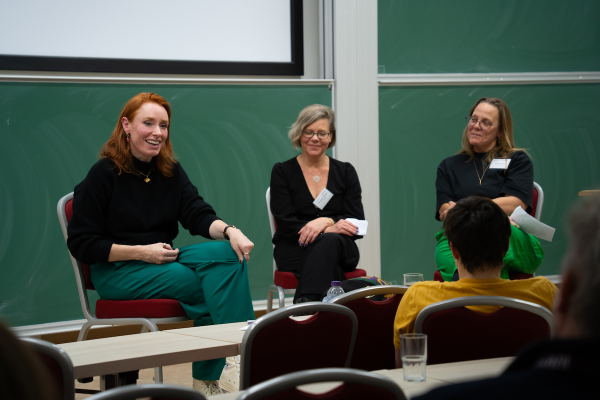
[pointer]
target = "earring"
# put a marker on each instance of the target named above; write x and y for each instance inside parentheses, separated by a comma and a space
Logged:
(499, 140)
(127, 134)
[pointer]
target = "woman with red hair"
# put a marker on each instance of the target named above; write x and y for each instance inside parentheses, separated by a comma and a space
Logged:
(125, 217)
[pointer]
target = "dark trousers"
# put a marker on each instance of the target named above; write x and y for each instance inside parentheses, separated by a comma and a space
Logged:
(316, 265)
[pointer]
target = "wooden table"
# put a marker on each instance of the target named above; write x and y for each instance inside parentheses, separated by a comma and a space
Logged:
(225, 332)
(144, 350)
(589, 193)
(437, 375)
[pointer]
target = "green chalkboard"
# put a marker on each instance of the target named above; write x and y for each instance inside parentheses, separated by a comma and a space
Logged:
(420, 126)
(464, 36)
(226, 137)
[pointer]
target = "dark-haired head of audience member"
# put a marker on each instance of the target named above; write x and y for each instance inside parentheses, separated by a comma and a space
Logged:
(478, 232)
(576, 309)
(22, 374)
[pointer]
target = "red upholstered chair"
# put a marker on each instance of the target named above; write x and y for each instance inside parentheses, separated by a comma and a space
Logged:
(455, 333)
(276, 344)
(286, 282)
(153, 391)
(374, 348)
(147, 313)
(58, 363)
(538, 202)
(357, 385)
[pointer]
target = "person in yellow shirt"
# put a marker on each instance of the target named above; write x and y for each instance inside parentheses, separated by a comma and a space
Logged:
(478, 232)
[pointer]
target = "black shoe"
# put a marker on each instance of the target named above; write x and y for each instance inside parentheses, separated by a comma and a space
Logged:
(302, 300)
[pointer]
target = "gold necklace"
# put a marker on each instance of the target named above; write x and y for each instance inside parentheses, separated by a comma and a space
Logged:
(315, 177)
(147, 179)
(480, 179)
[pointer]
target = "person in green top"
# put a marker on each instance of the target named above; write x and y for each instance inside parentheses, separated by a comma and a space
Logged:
(489, 165)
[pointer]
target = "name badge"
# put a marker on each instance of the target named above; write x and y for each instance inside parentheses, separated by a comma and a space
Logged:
(500, 163)
(323, 198)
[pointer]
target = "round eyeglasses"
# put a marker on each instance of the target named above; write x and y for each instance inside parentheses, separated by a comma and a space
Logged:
(320, 135)
(472, 121)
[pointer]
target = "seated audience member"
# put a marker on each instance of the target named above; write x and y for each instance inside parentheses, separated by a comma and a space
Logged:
(566, 367)
(22, 375)
(478, 232)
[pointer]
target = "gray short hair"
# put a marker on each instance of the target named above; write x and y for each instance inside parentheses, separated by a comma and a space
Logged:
(308, 116)
(582, 262)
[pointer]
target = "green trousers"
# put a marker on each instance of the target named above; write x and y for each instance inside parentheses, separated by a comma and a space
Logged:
(207, 279)
(525, 254)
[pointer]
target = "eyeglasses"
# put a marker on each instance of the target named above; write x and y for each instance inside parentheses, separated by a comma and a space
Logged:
(482, 124)
(320, 135)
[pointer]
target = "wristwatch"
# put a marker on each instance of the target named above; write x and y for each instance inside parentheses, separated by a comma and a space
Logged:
(225, 235)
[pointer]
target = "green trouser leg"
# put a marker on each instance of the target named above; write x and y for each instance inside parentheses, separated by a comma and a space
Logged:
(525, 254)
(207, 279)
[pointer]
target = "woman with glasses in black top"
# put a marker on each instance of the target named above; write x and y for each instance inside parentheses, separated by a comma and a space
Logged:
(314, 241)
(489, 165)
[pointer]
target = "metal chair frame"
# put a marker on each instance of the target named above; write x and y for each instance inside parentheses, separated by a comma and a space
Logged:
(148, 324)
(281, 292)
(165, 391)
(484, 301)
(63, 360)
(289, 381)
(369, 291)
(286, 312)
(540, 201)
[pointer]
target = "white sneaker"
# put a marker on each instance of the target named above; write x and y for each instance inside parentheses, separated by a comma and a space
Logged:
(207, 388)
(230, 377)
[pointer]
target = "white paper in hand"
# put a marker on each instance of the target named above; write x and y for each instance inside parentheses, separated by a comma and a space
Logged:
(531, 225)
(361, 224)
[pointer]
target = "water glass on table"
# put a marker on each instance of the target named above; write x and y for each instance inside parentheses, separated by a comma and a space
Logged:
(414, 356)
(410, 279)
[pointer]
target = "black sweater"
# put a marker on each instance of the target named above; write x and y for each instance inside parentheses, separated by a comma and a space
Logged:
(123, 209)
(457, 178)
(292, 203)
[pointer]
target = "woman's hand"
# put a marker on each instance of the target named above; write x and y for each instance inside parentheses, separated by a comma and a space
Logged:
(444, 210)
(343, 227)
(240, 244)
(158, 253)
(513, 223)
(310, 231)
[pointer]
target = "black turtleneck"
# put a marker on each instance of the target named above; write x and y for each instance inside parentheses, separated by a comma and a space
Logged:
(123, 209)
(457, 178)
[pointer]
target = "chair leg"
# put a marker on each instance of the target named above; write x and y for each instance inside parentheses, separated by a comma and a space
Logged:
(84, 331)
(150, 325)
(144, 329)
(270, 301)
(281, 297)
(158, 375)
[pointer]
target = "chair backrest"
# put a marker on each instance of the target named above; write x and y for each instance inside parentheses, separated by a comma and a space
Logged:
(357, 385)
(83, 275)
(276, 344)
(538, 202)
(272, 223)
(455, 333)
(154, 391)
(58, 363)
(373, 350)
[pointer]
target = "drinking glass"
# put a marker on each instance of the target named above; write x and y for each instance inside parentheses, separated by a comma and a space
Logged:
(410, 279)
(414, 356)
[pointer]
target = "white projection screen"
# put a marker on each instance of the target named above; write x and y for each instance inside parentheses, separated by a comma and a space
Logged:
(225, 37)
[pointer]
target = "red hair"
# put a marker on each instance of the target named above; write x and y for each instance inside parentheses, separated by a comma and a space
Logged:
(117, 149)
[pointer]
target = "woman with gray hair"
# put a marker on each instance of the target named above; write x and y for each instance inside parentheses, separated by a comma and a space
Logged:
(311, 197)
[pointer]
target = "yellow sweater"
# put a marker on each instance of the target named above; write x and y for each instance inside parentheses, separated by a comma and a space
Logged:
(537, 290)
